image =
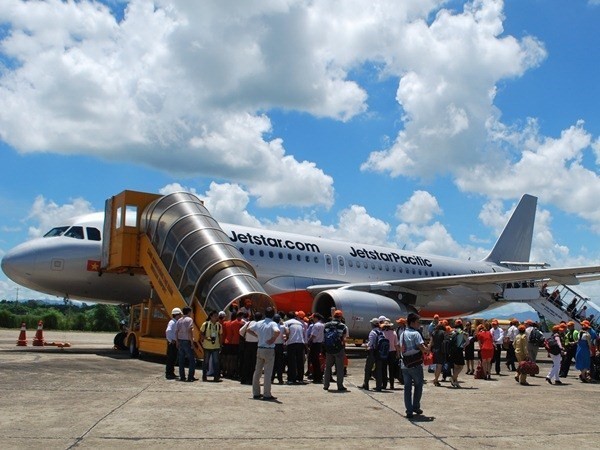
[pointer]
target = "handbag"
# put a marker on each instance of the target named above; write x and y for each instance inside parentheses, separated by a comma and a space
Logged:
(413, 360)
(528, 367)
(428, 359)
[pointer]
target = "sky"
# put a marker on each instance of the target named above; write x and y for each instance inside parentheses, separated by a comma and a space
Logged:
(416, 124)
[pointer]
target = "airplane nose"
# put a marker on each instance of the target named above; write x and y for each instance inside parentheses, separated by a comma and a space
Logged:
(18, 264)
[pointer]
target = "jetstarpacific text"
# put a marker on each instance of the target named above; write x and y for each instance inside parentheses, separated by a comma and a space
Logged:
(261, 239)
(391, 257)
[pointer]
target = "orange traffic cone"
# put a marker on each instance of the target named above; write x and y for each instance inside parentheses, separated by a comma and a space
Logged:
(38, 340)
(22, 341)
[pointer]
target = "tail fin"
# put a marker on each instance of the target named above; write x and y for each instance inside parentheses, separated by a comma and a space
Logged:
(514, 243)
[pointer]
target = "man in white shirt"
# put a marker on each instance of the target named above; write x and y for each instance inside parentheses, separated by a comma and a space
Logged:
(295, 349)
(511, 334)
(267, 332)
(184, 331)
(315, 344)
(172, 344)
(498, 336)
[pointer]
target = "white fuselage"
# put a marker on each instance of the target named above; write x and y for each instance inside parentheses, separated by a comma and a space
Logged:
(285, 263)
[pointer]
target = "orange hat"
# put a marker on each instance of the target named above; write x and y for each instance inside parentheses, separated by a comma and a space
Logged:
(529, 322)
(445, 322)
(436, 316)
(570, 323)
(301, 314)
(401, 321)
(457, 322)
(555, 329)
(338, 313)
(448, 328)
(585, 323)
(521, 327)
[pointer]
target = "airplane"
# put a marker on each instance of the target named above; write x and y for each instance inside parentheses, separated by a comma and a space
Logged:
(308, 273)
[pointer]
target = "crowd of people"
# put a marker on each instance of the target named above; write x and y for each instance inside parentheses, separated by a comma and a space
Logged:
(249, 345)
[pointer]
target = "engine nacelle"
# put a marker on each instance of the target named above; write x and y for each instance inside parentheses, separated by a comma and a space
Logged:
(358, 308)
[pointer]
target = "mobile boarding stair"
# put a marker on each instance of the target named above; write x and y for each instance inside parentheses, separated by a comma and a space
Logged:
(562, 304)
(188, 258)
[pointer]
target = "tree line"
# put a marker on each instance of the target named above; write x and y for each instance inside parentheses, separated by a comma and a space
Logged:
(96, 317)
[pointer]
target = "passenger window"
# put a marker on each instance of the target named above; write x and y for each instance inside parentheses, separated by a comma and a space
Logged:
(242, 250)
(307, 258)
(316, 259)
(261, 253)
(299, 258)
(75, 232)
(251, 251)
(271, 254)
(93, 234)
(350, 263)
(290, 256)
(280, 255)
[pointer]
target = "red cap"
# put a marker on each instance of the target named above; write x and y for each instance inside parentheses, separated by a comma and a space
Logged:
(338, 313)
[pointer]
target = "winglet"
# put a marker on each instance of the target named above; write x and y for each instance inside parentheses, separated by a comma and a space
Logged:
(514, 243)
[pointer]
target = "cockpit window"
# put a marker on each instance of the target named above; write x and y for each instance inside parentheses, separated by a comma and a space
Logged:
(75, 232)
(93, 234)
(58, 231)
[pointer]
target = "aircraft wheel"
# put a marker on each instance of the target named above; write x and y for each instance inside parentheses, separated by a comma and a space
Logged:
(133, 350)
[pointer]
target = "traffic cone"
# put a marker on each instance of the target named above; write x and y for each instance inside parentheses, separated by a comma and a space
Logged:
(38, 340)
(22, 341)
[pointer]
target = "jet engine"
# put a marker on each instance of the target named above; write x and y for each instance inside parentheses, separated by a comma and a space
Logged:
(358, 308)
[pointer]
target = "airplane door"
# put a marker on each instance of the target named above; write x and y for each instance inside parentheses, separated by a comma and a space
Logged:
(341, 265)
(328, 263)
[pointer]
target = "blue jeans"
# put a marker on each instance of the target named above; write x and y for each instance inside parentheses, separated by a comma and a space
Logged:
(412, 375)
(185, 349)
(206, 363)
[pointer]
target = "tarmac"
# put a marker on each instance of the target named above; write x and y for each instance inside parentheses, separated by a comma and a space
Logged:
(90, 396)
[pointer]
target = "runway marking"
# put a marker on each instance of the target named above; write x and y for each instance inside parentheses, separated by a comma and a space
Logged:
(82, 437)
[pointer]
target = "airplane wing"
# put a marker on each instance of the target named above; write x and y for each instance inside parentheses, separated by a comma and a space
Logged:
(479, 281)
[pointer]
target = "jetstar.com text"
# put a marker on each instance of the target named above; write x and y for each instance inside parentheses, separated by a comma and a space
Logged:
(255, 239)
(391, 257)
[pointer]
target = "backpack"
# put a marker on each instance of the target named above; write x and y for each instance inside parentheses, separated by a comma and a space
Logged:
(552, 346)
(536, 337)
(479, 373)
(382, 345)
(332, 339)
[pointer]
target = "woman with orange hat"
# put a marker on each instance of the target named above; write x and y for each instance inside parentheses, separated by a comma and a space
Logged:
(521, 353)
(555, 350)
(486, 348)
(436, 347)
(583, 356)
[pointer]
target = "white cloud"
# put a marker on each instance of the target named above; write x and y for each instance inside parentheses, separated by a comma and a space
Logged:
(185, 99)
(421, 208)
(449, 71)
(550, 168)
